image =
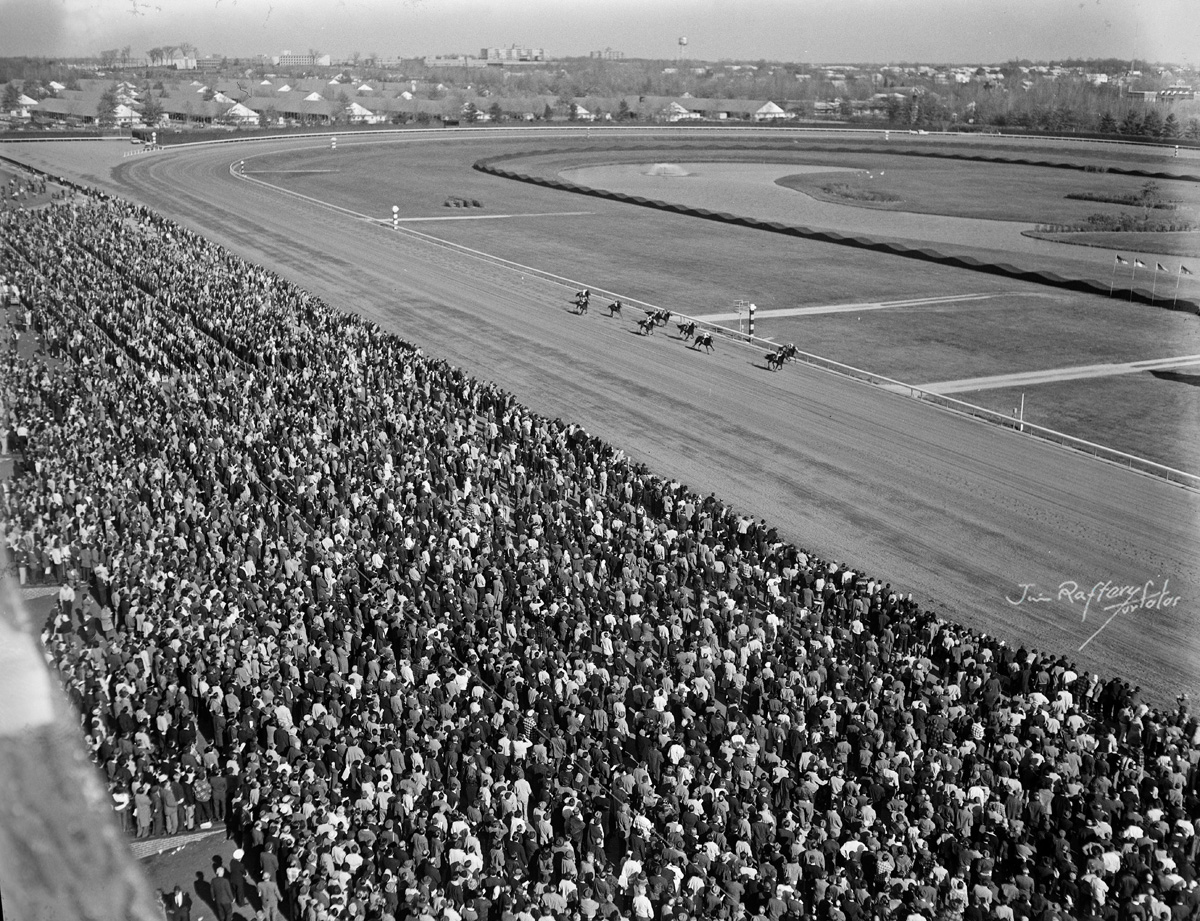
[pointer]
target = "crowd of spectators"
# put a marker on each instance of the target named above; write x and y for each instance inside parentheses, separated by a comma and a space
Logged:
(429, 655)
(19, 188)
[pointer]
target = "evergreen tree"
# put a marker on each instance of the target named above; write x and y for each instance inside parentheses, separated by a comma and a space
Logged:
(152, 109)
(12, 97)
(1171, 126)
(106, 108)
(1193, 129)
(1131, 123)
(1152, 124)
(1108, 124)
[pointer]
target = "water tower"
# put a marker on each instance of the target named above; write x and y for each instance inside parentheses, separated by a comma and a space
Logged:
(682, 47)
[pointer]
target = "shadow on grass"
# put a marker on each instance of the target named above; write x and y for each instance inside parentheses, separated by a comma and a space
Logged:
(1178, 377)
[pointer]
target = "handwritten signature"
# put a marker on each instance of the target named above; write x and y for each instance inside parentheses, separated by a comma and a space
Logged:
(1102, 598)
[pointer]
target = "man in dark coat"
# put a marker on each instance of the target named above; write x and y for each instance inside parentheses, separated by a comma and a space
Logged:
(222, 896)
(177, 905)
(237, 877)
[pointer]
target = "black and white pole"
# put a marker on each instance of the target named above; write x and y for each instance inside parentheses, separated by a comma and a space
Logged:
(751, 310)
(153, 138)
(395, 217)
(333, 143)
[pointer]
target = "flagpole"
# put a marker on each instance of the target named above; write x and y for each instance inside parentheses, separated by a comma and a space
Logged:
(1178, 278)
(1113, 281)
(1154, 285)
(1132, 280)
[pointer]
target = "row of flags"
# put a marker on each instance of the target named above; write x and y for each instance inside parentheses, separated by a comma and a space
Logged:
(1158, 266)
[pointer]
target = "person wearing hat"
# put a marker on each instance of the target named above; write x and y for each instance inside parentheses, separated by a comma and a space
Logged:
(238, 877)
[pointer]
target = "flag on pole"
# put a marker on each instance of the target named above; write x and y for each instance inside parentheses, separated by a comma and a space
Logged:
(1184, 270)
(1122, 261)
(1137, 263)
(1159, 267)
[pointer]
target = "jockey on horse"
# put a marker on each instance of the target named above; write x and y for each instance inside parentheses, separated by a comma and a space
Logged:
(688, 329)
(704, 339)
(581, 300)
(614, 309)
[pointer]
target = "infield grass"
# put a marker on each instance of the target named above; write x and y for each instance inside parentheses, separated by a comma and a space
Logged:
(1182, 243)
(1011, 333)
(992, 191)
(1145, 414)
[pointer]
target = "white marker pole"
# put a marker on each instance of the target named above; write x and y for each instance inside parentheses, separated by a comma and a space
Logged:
(752, 308)
(395, 217)
(333, 143)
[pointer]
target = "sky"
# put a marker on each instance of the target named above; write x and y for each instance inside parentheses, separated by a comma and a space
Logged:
(815, 31)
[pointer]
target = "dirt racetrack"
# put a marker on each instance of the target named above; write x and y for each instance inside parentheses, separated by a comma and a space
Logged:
(956, 512)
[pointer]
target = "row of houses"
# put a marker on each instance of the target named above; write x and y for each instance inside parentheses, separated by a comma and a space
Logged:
(280, 102)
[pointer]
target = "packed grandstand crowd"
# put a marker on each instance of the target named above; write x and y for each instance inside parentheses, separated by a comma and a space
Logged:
(429, 655)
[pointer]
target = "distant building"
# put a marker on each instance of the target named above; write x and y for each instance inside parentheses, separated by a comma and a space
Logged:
(288, 59)
(607, 55)
(454, 60)
(512, 55)
(1177, 91)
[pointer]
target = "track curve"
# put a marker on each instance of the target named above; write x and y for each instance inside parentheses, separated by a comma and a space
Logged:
(943, 507)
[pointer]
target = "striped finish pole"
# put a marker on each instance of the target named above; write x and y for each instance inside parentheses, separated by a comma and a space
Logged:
(752, 308)
(333, 143)
(395, 217)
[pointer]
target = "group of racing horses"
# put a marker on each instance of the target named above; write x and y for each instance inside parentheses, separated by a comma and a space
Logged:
(653, 319)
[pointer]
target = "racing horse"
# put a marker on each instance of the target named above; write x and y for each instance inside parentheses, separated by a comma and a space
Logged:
(614, 309)
(646, 326)
(661, 317)
(581, 300)
(705, 340)
(687, 330)
(783, 354)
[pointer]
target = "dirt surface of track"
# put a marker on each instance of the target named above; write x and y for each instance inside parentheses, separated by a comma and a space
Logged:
(951, 510)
